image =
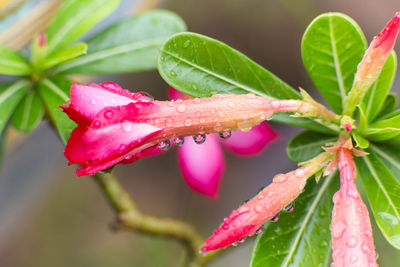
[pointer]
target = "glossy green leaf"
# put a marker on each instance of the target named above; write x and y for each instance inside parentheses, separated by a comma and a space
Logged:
(388, 106)
(332, 47)
(384, 129)
(28, 113)
(376, 95)
(12, 63)
(10, 96)
(128, 46)
(389, 154)
(383, 192)
(300, 238)
(65, 55)
(307, 145)
(361, 142)
(74, 18)
(55, 92)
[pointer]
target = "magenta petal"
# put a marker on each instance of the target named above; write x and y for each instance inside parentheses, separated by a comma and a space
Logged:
(202, 166)
(252, 142)
(174, 94)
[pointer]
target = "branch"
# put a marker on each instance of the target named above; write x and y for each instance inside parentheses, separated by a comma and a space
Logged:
(129, 216)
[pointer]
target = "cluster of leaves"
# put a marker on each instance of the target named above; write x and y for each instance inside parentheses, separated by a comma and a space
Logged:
(332, 47)
(42, 84)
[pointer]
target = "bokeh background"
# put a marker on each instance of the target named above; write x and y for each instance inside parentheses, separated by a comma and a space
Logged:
(48, 217)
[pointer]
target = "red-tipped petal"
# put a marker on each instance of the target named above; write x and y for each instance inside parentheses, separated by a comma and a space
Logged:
(174, 94)
(202, 166)
(252, 142)
(352, 241)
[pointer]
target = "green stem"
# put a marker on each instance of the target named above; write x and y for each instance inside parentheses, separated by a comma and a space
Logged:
(130, 217)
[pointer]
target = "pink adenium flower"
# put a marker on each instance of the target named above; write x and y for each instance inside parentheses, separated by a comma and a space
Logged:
(249, 217)
(352, 241)
(193, 157)
(117, 126)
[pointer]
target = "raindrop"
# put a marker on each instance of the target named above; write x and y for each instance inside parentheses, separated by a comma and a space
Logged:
(279, 178)
(290, 207)
(181, 108)
(199, 139)
(186, 44)
(242, 240)
(276, 218)
(188, 122)
(93, 101)
(351, 241)
(299, 173)
(96, 124)
(260, 230)
(225, 135)
(164, 145)
(353, 259)
(179, 141)
(323, 244)
(365, 248)
(149, 96)
(126, 126)
(172, 73)
(234, 244)
(109, 114)
(194, 86)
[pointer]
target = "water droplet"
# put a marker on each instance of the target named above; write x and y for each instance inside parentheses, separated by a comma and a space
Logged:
(234, 244)
(188, 122)
(194, 86)
(179, 141)
(225, 135)
(338, 229)
(351, 241)
(242, 240)
(149, 96)
(172, 73)
(109, 114)
(259, 208)
(126, 126)
(353, 259)
(260, 230)
(186, 44)
(122, 147)
(181, 108)
(365, 248)
(96, 124)
(231, 104)
(225, 226)
(299, 173)
(164, 145)
(243, 202)
(323, 244)
(199, 139)
(290, 207)
(275, 218)
(93, 101)
(279, 178)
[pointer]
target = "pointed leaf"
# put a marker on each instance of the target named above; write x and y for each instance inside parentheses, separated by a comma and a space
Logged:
(28, 113)
(307, 145)
(376, 95)
(55, 92)
(10, 96)
(300, 238)
(384, 129)
(12, 63)
(389, 154)
(128, 46)
(388, 106)
(65, 55)
(332, 47)
(383, 192)
(360, 141)
(74, 18)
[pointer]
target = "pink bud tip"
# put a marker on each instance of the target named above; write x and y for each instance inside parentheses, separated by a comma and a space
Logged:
(42, 39)
(347, 126)
(387, 37)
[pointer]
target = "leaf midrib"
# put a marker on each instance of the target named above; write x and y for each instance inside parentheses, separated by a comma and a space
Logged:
(55, 89)
(316, 143)
(12, 89)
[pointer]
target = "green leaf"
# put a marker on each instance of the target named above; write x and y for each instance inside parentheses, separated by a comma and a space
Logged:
(28, 113)
(376, 95)
(200, 66)
(300, 238)
(389, 154)
(332, 47)
(10, 96)
(74, 18)
(55, 92)
(383, 192)
(384, 129)
(12, 63)
(130, 45)
(388, 106)
(306, 123)
(360, 141)
(65, 55)
(307, 145)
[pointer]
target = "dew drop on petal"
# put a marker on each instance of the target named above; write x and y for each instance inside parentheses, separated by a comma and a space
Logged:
(199, 139)
(259, 208)
(93, 101)
(188, 122)
(96, 124)
(275, 218)
(109, 114)
(259, 230)
(353, 259)
(234, 244)
(351, 241)
(225, 135)
(365, 248)
(126, 126)
(179, 141)
(290, 207)
(338, 229)
(242, 240)
(299, 173)
(181, 108)
(164, 145)
(279, 178)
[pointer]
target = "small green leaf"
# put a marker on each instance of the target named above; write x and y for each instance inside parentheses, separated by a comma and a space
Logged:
(55, 92)
(383, 192)
(389, 154)
(65, 55)
(74, 18)
(307, 145)
(384, 129)
(332, 47)
(376, 95)
(12, 63)
(28, 113)
(300, 238)
(360, 141)
(130, 45)
(10, 96)
(388, 106)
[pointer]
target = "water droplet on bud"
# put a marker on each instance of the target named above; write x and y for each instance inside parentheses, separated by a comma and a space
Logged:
(179, 141)
(164, 145)
(276, 218)
(259, 230)
(242, 240)
(225, 135)
(290, 207)
(199, 139)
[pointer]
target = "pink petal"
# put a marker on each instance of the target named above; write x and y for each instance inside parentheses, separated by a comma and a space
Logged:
(252, 142)
(174, 94)
(202, 166)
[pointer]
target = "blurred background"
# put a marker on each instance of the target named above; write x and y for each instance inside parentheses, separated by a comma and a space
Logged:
(48, 217)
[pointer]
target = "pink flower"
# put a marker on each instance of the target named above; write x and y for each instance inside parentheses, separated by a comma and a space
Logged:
(352, 241)
(249, 217)
(117, 126)
(202, 166)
